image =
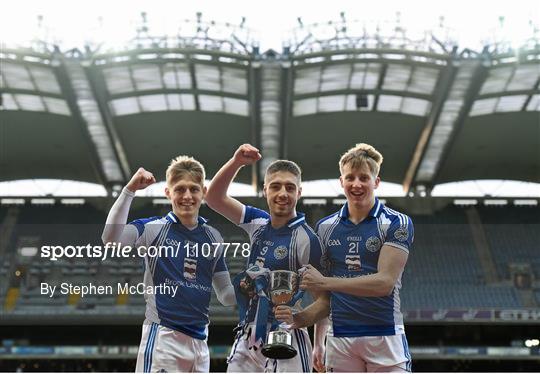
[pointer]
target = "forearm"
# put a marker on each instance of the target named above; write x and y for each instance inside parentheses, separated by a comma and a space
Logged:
(224, 289)
(313, 313)
(373, 285)
(321, 328)
(221, 182)
(117, 218)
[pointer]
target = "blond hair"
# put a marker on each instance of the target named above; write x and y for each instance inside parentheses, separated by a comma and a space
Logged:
(362, 154)
(182, 166)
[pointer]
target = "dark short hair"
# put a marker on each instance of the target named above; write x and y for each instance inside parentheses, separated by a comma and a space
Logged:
(284, 165)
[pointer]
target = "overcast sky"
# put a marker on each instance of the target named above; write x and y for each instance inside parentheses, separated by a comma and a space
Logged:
(73, 22)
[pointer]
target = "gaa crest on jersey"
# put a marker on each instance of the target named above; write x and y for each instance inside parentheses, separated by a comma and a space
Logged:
(401, 234)
(280, 252)
(352, 262)
(333, 242)
(190, 269)
(373, 244)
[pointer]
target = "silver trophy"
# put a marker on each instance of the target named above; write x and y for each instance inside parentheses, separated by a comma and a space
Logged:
(283, 285)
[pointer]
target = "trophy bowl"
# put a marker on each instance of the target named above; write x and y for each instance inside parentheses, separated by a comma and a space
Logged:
(282, 287)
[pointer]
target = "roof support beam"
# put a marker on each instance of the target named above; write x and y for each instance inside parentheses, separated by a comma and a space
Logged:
(380, 83)
(466, 85)
(254, 94)
(84, 102)
(407, 85)
(99, 89)
(287, 103)
(479, 77)
(191, 65)
(69, 95)
(444, 83)
(138, 93)
(271, 111)
(35, 86)
(134, 84)
(535, 89)
(376, 92)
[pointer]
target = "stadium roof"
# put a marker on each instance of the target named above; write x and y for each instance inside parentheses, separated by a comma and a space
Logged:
(438, 112)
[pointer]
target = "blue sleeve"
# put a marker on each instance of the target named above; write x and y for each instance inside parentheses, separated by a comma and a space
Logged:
(316, 254)
(400, 234)
(253, 219)
(308, 250)
(139, 223)
(252, 213)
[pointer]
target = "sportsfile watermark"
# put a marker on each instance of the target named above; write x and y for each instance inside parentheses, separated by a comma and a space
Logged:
(173, 249)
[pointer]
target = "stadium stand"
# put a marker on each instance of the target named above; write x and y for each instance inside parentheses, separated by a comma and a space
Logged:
(444, 270)
(513, 237)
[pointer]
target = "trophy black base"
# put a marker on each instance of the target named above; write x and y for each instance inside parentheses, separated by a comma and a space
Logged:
(279, 351)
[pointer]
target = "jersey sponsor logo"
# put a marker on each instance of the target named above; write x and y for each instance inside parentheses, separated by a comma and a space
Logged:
(333, 242)
(354, 238)
(280, 252)
(190, 269)
(352, 262)
(401, 234)
(268, 242)
(373, 244)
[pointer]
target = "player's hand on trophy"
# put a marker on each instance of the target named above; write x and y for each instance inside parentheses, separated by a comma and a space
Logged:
(318, 358)
(283, 313)
(246, 154)
(312, 280)
(140, 180)
(247, 288)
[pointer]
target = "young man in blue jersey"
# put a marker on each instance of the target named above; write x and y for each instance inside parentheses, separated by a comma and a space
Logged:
(367, 245)
(280, 240)
(175, 329)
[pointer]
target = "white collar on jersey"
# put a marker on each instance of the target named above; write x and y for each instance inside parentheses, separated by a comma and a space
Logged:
(374, 212)
(173, 218)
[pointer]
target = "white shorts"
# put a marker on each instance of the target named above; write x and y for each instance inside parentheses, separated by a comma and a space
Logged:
(368, 354)
(246, 357)
(166, 350)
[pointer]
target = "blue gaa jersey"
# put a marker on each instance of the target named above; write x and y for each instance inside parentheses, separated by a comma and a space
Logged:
(353, 250)
(288, 248)
(192, 273)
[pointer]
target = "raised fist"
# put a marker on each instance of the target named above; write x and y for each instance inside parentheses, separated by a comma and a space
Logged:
(140, 180)
(246, 154)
